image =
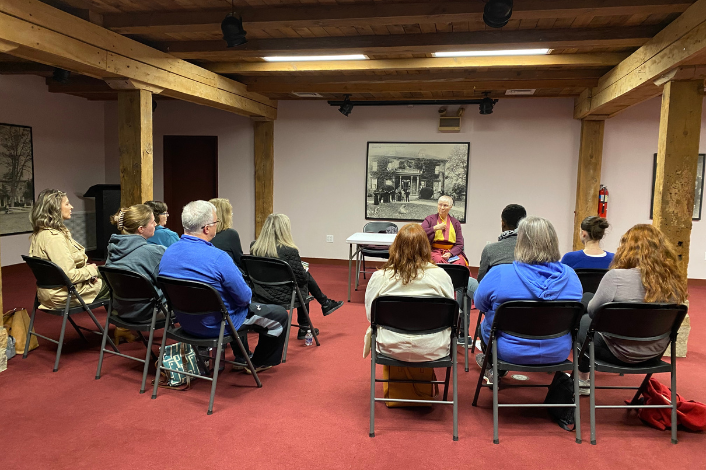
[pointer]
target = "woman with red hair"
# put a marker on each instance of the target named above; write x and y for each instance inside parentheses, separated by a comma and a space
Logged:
(644, 270)
(409, 272)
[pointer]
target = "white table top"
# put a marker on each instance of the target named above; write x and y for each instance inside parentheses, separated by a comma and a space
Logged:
(361, 238)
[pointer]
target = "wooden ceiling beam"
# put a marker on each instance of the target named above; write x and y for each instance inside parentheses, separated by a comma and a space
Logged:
(632, 36)
(682, 42)
(365, 15)
(550, 60)
(43, 34)
(386, 87)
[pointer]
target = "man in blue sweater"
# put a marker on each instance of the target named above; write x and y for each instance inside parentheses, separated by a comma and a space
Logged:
(194, 258)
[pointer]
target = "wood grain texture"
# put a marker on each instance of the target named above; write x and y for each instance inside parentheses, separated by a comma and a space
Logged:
(677, 160)
(264, 172)
(136, 150)
(589, 175)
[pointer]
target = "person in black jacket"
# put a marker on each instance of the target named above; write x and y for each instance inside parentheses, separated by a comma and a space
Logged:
(275, 241)
(226, 239)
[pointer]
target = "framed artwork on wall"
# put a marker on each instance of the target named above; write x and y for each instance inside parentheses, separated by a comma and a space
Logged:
(698, 193)
(403, 180)
(16, 178)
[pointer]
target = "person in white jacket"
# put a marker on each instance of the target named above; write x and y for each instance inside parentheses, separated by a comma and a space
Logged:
(409, 272)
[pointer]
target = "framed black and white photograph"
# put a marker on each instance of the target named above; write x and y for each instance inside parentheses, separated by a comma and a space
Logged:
(698, 192)
(16, 178)
(404, 180)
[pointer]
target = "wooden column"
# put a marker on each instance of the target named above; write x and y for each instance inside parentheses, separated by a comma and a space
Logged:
(135, 134)
(264, 172)
(677, 158)
(1, 305)
(588, 180)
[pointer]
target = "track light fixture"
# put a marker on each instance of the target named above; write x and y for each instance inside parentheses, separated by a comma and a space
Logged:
(232, 27)
(61, 75)
(486, 104)
(497, 13)
(347, 106)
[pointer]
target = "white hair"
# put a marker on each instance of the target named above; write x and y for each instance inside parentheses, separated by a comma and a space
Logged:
(196, 214)
(448, 199)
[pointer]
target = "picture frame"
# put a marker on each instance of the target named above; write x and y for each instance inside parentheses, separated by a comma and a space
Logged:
(698, 193)
(16, 178)
(403, 180)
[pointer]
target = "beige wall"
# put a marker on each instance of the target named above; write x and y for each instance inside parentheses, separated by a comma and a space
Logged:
(68, 144)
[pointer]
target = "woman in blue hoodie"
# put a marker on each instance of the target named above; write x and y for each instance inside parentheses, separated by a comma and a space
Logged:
(536, 274)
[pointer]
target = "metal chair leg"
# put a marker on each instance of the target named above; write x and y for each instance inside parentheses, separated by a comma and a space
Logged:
(103, 341)
(476, 333)
(674, 391)
(592, 398)
(160, 359)
(446, 383)
(305, 309)
(289, 328)
(373, 357)
(29, 332)
(454, 356)
(577, 409)
(148, 354)
(219, 348)
(61, 335)
(496, 439)
(78, 330)
(465, 328)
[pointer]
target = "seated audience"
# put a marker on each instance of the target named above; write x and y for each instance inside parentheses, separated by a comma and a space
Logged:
(162, 235)
(226, 239)
(536, 274)
(592, 256)
(644, 270)
(444, 233)
(500, 252)
(51, 240)
(275, 241)
(409, 272)
(130, 251)
(194, 258)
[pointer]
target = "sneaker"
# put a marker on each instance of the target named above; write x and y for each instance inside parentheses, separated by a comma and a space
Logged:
(585, 387)
(461, 341)
(488, 377)
(302, 332)
(480, 357)
(331, 306)
(257, 369)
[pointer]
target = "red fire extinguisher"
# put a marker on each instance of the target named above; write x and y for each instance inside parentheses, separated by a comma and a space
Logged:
(603, 202)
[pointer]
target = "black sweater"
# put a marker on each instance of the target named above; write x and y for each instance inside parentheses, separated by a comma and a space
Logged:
(228, 240)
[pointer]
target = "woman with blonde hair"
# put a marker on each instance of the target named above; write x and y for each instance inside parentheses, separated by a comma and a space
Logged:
(226, 239)
(536, 274)
(275, 241)
(644, 269)
(409, 272)
(162, 235)
(130, 251)
(51, 240)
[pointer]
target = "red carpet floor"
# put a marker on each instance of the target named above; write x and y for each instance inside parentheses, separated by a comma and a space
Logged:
(311, 412)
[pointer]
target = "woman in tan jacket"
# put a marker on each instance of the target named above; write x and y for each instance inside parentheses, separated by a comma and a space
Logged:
(52, 240)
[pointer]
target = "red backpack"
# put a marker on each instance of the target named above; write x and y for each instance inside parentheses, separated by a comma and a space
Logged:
(690, 414)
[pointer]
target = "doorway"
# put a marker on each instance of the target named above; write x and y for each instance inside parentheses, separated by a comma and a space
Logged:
(190, 173)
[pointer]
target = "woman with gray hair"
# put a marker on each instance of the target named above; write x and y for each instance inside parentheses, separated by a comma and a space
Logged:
(444, 233)
(536, 274)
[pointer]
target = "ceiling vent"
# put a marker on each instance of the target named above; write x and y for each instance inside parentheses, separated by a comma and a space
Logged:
(307, 95)
(521, 91)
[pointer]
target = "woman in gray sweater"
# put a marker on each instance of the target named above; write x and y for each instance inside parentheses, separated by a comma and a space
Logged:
(644, 270)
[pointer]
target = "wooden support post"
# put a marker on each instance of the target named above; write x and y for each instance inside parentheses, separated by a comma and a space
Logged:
(677, 159)
(135, 134)
(1, 305)
(264, 172)
(589, 174)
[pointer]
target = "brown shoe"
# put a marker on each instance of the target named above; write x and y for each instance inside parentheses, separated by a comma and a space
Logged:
(125, 335)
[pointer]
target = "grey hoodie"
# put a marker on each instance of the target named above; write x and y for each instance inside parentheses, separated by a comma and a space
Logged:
(133, 253)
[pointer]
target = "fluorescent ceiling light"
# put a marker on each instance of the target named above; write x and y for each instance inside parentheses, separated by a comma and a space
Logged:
(301, 58)
(491, 53)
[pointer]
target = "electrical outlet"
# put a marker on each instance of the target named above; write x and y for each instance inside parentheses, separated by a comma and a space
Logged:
(329, 238)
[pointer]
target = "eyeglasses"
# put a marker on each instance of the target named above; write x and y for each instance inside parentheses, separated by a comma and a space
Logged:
(163, 213)
(212, 223)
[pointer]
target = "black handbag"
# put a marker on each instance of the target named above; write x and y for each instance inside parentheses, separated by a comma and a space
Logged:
(561, 390)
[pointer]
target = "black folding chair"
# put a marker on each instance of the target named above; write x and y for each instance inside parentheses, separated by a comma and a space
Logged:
(635, 322)
(370, 251)
(197, 298)
(128, 286)
(50, 276)
(531, 319)
(276, 273)
(459, 278)
(590, 278)
(415, 316)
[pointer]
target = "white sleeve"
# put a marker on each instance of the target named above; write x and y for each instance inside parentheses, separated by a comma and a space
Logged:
(372, 291)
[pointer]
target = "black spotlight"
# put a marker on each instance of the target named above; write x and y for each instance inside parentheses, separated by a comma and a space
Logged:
(232, 27)
(497, 13)
(346, 107)
(61, 75)
(486, 105)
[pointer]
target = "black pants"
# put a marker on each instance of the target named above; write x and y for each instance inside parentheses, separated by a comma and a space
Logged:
(315, 290)
(270, 322)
